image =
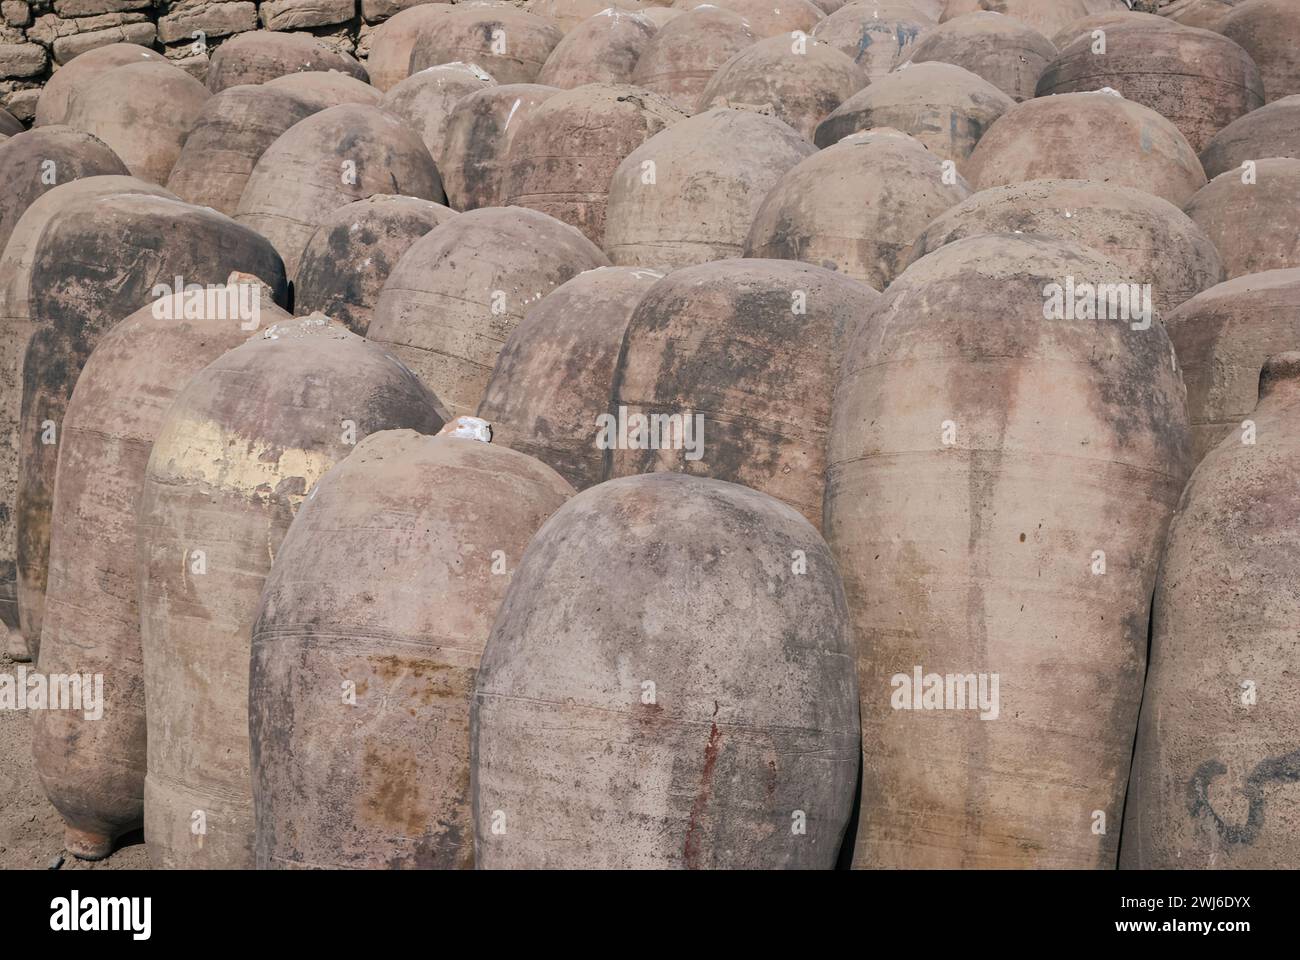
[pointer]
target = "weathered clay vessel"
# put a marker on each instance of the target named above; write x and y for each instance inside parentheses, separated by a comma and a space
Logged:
(1006, 52)
(1270, 131)
(565, 152)
(39, 160)
(330, 159)
(508, 43)
(478, 135)
(127, 250)
(82, 70)
(857, 206)
(944, 106)
(377, 775)
(424, 101)
(241, 447)
(232, 132)
(93, 770)
(1154, 239)
(998, 491)
(1111, 139)
(683, 56)
(349, 257)
(555, 375)
(1222, 337)
(389, 61)
(262, 55)
(1251, 215)
(689, 193)
(877, 37)
(731, 718)
(799, 81)
(1269, 31)
(603, 49)
(143, 112)
(728, 369)
(458, 292)
(1199, 79)
(17, 324)
(1216, 757)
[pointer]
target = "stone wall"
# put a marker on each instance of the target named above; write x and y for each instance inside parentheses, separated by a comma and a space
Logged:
(38, 35)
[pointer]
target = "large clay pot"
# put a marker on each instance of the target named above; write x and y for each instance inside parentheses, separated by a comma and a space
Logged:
(389, 62)
(425, 100)
(376, 775)
(93, 770)
(1206, 14)
(683, 56)
(478, 135)
(944, 106)
(349, 257)
(569, 15)
(1270, 131)
(39, 160)
(1216, 759)
(17, 324)
(83, 70)
(322, 89)
(1199, 79)
(241, 447)
(800, 81)
(857, 206)
(1222, 337)
(769, 18)
(1269, 31)
(732, 365)
(1101, 21)
(143, 111)
(998, 490)
(729, 719)
(458, 292)
(330, 159)
(877, 39)
(555, 375)
(232, 132)
(262, 55)
(565, 153)
(1151, 237)
(603, 49)
(127, 248)
(1253, 216)
(508, 43)
(689, 193)
(1045, 16)
(1006, 52)
(1111, 139)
